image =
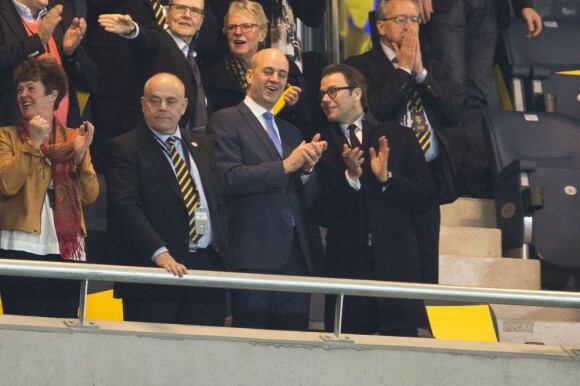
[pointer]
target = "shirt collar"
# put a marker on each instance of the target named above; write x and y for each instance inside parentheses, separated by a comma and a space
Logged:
(26, 13)
(256, 109)
(183, 46)
(358, 122)
(388, 51)
(165, 137)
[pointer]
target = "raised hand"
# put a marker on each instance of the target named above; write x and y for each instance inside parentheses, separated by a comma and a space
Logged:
(312, 152)
(407, 52)
(116, 23)
(39, 130)
(292, 96)
(83, 140)
(73, 35)
(49, 22)
(380, 160)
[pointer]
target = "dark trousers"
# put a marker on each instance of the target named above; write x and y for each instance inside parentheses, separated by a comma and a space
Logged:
(36, 296)
(274, 310)
(183, 305)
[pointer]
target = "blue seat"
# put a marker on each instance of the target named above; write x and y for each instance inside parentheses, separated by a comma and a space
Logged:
(535, 166)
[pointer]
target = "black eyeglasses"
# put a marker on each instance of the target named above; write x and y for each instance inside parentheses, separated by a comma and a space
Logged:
(245, 28)
(402, 19)
(180, 8)
(333, 91)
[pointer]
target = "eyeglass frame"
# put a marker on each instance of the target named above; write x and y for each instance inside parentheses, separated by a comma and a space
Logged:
(184, 8)
(226, 27)
(402, 19)
(333, 90)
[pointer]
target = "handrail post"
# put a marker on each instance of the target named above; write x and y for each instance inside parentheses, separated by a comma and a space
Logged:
(338, 315)
(83, 302)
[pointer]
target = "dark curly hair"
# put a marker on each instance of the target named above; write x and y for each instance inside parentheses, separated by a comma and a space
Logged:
(46, 71)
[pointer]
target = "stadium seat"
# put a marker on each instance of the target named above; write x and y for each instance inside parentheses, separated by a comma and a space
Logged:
(533, 67)
(535, 166)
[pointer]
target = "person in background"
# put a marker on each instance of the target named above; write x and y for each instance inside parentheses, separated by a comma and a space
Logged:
(169, 50)
(46, 176)
(405, 88)
(117, 65)
(463, 36)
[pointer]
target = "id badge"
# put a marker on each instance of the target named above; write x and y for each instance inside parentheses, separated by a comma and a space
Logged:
(419, 124)
(201, 223)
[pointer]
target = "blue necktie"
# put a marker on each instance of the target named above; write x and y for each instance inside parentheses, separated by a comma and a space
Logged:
(272, 132)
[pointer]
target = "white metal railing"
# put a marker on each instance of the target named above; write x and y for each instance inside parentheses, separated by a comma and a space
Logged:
(338, 287)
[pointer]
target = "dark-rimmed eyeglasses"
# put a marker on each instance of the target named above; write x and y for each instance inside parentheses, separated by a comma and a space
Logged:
(245, 28)
(180, 8)
(402, 19)
(333, 91)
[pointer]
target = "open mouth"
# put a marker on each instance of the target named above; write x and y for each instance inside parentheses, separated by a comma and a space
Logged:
(239, 42)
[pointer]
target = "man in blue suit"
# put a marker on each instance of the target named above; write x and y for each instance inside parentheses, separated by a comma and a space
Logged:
(268, 178)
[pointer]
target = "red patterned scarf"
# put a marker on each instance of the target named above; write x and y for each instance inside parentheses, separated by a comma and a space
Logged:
(67, 202)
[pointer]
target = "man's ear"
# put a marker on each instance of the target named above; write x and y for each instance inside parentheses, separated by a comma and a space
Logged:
(249, 76)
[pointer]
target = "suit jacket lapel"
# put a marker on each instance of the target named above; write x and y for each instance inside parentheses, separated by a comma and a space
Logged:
(256, 127)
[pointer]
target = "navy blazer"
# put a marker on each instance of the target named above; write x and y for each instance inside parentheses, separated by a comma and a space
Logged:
(262, 201)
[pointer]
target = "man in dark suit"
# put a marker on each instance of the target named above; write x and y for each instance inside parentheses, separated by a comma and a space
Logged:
(402, 90)
(170, 50)
(268, 178)
(32, 28)
(154, 220)
(373, 181)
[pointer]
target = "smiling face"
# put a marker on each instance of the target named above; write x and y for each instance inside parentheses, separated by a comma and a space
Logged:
(163, 102)
(346, 106)
(244, 45)
(32, 100)
(184, 24)
(267, 77)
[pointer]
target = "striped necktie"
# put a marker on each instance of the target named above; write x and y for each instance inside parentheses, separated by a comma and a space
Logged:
(419, 121)
(187, 187)
(158, 13)
(418, 118)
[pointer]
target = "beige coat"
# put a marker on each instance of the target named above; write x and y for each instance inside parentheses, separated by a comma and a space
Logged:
(24, 177)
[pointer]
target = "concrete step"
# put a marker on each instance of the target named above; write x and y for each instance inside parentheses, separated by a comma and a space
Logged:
(506, 311)
(469, 241)
(489, 272)
(470, 212)
(549, 333)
